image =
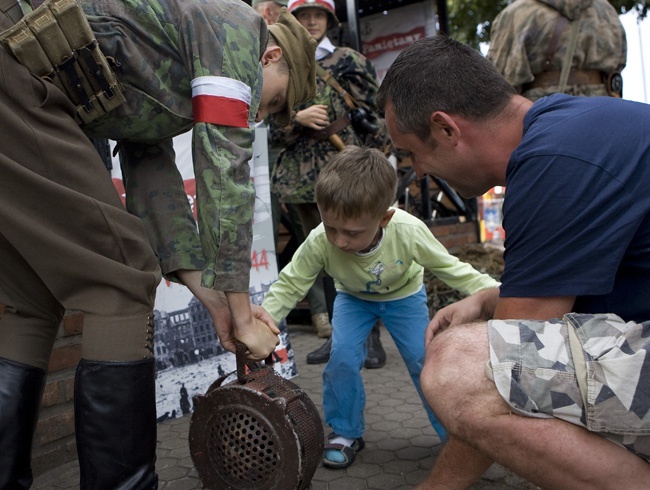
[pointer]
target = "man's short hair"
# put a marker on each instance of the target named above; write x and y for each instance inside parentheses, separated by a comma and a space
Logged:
(357, 182)
(441, 74)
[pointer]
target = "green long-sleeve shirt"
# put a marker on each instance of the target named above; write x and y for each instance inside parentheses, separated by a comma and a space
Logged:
(394, 269)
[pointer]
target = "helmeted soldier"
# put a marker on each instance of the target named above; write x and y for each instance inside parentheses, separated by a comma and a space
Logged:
(307, 137)
(532, 41)
(342, 113)
(66, 241)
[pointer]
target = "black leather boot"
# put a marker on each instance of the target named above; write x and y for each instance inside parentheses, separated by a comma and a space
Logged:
(21, 390)
(320, 355)
(376, 357)
(115, 423)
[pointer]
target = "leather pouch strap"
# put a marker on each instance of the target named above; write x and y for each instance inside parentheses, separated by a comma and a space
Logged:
(332, 82)
(552, 45)
(576, 77)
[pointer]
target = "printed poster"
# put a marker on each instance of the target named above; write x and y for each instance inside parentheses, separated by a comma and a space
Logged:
(189, 357)
(384, 36)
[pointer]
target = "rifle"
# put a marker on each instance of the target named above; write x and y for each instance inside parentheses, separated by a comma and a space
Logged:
(357, 116)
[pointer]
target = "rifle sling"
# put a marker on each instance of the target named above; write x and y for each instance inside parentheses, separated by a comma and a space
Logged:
(331, 81)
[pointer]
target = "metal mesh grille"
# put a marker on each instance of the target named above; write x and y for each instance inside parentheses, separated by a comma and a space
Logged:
(243, 448)
(301, 412)
(260, 432)
(303, 415)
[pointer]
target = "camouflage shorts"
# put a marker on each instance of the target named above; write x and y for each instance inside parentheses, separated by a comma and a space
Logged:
(535, 372)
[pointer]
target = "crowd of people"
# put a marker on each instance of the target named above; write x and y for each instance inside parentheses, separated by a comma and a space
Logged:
(543, 372)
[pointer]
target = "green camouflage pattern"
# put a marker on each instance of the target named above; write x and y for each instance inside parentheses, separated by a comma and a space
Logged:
(160, 46)
(299, 164)
(522, 32)
(533, 367)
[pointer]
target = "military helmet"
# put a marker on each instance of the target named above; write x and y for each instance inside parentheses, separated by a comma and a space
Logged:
(327, 5)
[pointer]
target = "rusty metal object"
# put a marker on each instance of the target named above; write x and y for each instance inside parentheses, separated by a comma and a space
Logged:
(259, 432)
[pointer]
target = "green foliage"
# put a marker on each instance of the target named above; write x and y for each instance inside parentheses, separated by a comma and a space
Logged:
(470, 20)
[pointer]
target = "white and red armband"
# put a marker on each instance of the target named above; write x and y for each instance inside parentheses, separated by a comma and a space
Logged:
(221, 100)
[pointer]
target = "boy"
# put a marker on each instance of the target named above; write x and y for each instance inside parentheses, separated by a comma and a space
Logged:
(376, 255)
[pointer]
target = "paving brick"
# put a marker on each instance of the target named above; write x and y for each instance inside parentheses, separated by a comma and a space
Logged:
(400, 448)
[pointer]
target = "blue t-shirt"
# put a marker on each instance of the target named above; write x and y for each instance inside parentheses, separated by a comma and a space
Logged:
(577, 206)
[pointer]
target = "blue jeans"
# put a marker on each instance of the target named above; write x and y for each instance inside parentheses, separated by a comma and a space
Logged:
(344, 397)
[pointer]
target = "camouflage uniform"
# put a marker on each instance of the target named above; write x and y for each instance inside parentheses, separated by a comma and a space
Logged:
(68, 243)
(161, 48)
(295, 173)
(522, 32)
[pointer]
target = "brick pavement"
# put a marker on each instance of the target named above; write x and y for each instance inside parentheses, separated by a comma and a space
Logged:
(400, 447)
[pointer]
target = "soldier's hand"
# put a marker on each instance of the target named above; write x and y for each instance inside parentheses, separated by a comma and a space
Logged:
(314, 117)
(234, 318)
(259, 339)
(252, 326)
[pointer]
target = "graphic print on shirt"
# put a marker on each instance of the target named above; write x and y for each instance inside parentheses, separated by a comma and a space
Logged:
(376, 271)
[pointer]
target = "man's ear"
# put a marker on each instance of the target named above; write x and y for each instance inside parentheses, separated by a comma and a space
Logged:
(383, 223)
(444, 128)
(273, 54)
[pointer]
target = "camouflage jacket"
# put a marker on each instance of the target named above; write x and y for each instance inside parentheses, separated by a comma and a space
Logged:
(522, 32)
(160, 47)
(299, 164)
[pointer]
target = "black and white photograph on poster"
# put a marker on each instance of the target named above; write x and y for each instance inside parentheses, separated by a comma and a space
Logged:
(189, 356)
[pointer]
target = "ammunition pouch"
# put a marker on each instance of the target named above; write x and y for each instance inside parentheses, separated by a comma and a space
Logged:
(56, 43)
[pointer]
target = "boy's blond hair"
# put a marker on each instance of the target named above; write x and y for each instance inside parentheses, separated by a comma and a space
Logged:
(357, 182)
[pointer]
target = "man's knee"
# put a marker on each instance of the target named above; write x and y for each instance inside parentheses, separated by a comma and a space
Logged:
(455, 349)
(454, 370)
